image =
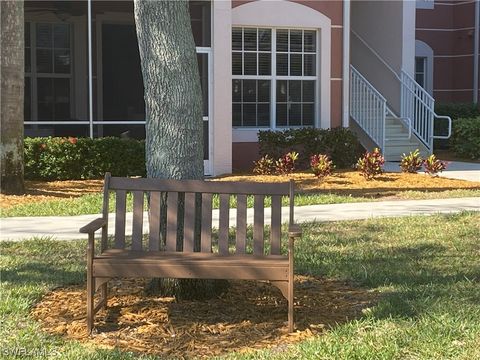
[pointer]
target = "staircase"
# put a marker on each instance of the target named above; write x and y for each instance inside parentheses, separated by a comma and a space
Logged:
(379, 126)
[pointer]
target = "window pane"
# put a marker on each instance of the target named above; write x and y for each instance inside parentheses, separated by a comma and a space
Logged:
(250, 39)
(250, 64)
(27, 112)
(282, 64)
(264, 39)
(419, 64)
(281, 117)
(62, 99)
(308, 114)
(45, 90)
(61, 36)
(236, 90)
(237, 38)
(249, 115)
(295, 115)
(27, 34)
(309, 41)
(263, 90)
(263, 114)
(28, 66)
(295, 65)
(249, 90)
(295, 40)
(282, 40)
(309, 63)
(308, 91)
(237, 115)
(200, 20)
(44, 61)
(62, 61)
(44, 35)
(281, 91)
(206, 140)
(237, 63)
(295, 91)
(264, 64)
(202, 60)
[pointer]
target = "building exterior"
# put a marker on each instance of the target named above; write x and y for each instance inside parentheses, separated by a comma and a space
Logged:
(263, 65)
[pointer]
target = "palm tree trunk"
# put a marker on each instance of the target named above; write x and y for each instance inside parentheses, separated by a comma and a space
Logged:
(11, 99)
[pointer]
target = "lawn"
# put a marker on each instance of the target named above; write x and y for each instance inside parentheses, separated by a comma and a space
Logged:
(84, 197)
(425, 271)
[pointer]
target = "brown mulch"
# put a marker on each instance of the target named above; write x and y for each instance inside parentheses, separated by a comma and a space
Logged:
(37, 191)
(250, 315)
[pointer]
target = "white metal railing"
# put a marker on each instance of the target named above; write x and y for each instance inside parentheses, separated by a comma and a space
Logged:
(367, 107)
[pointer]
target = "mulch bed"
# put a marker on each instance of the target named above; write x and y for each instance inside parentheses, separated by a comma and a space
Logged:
(250, 315)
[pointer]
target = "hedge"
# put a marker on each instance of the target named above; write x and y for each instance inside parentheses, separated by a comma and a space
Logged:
(340, 144)
(465, 139)
(54, 158)
(455, 111)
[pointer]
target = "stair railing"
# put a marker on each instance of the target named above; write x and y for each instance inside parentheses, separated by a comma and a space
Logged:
(368, 108)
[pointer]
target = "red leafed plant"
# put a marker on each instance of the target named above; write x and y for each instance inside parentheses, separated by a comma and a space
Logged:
(321, 165)
(433, 166)
(371, 164)
(412, 162)
(286, 164)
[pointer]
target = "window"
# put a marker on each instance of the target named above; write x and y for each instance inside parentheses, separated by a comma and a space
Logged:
(48, 70)
(421, 71)
(274, 77)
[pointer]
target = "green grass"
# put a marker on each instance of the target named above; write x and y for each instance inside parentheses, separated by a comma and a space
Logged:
(92, 203)
(426, 268)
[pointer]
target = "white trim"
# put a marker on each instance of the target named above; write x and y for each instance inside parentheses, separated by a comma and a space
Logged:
(90, 68)
(424, 50)
(337, 26)
(445, 29)
(452, 90)
(336, 79)
(454, 3)
(292, 15)
(346, 65)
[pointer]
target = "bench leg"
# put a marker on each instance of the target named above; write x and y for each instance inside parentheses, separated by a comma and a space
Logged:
(290, 287)
(90, 285)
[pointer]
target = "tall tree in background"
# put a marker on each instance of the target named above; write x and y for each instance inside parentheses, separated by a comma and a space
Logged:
(173, 109)
(11, 96)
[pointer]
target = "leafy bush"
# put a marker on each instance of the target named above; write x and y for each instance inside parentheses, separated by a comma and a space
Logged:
(458, 110)
(465, 139)
(371, 164)
(340, 144)
(286, 164)
(433, 165)
(264, 166)
(412, 162)
(54, 158)
(321, 165)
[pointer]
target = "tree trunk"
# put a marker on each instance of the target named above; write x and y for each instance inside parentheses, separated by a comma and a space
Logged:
(173, 109)
(11, 96)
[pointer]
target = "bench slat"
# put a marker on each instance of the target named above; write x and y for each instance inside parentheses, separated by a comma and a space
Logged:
(154, 223)
(276, 223)
(199, 186)
(241, 233)
(258, 219)
(172, 213)
(189, 224)
(206, 240)
(137, 220)
(120, 208)
(223, 224)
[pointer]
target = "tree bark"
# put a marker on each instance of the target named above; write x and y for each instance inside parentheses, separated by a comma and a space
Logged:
(11, 96)
(174, 119)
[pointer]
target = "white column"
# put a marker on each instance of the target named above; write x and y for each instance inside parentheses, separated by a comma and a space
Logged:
(346, 64)
(221, 141)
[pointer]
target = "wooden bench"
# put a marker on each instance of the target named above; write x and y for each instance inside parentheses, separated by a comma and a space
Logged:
(246, 260)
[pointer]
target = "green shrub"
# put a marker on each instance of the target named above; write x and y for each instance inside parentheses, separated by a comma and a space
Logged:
(340, 144)
(412, 162)
(465, 139)
(264, 166)
(433, 165)
(321, 165)
(54, 158)
(456, 111)
(371, 164)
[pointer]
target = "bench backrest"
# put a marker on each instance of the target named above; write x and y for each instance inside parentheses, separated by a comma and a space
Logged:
(193, 190)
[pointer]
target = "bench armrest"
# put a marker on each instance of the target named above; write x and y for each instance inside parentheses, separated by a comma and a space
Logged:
(93, 226)
(294, 231)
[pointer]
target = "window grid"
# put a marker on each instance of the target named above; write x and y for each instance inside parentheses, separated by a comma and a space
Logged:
(274, 79)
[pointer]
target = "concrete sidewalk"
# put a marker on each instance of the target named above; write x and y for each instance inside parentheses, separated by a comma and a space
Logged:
(455, 170)
(66, 227)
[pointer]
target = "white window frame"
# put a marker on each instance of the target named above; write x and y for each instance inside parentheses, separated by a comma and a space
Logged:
(34, 75)
(273, 77)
